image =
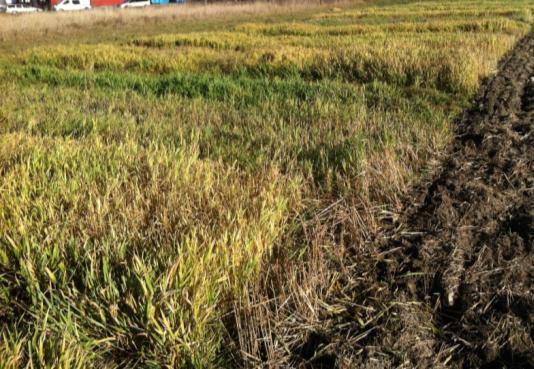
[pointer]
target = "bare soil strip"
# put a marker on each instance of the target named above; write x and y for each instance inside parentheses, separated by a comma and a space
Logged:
(451, 284)
(462, 266)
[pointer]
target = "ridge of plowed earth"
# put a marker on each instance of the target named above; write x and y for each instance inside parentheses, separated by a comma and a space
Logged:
(467, 241)
(450, 283)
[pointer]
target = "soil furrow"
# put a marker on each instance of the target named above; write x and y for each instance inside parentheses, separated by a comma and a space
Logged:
(449, 284)
(467, 245)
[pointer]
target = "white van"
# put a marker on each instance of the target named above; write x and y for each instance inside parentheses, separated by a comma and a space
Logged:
(70, 5)
(135, 4)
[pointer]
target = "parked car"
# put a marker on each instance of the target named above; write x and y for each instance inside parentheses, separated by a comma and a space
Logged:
(20, 8)
(135, 4)
(83, 4)
(70, 5)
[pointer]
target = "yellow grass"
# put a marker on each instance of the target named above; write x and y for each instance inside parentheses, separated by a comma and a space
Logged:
(50, 23)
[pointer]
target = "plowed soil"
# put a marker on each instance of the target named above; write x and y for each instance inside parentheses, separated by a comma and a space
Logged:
(453, 275)
(467, 239)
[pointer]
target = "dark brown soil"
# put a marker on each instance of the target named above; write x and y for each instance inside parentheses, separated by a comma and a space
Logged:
(451, 284)
(470, 235)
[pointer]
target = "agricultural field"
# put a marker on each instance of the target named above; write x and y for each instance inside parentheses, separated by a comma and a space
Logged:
(158, 185)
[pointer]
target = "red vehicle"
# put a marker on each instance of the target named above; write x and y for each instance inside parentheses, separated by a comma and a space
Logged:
(55, 4)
